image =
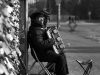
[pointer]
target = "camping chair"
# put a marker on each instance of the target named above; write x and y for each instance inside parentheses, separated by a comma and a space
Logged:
(45, 69)
(88, 68)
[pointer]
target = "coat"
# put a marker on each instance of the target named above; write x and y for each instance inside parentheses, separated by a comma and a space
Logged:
(38, 40)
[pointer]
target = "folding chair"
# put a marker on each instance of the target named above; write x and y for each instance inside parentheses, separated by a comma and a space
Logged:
(44, 68)
(88, 68)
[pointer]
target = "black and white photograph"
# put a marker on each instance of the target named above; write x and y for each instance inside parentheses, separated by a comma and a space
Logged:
(49, 37)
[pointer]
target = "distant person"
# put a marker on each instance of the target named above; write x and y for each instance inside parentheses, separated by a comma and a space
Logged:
(69, 19)
(72, 23)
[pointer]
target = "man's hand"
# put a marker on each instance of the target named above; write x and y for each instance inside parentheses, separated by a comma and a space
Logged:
(52, 41)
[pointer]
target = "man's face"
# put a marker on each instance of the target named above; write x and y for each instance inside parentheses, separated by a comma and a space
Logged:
(41, 20)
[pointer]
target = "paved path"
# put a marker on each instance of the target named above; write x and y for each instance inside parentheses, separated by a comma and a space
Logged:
(82, 50)
(79, 23)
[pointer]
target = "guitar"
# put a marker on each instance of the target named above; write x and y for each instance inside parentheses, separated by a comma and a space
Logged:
(53, 32)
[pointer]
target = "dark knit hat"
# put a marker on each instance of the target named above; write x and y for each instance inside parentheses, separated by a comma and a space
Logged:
(39, 13)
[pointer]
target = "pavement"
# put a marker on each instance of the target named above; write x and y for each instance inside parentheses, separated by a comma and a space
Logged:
(78, 23)
(82, 44)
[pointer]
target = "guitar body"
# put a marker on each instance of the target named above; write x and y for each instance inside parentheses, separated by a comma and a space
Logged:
(59, 45)
(54, 33)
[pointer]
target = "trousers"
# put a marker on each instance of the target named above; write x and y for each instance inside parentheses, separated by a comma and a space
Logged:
(61, 67)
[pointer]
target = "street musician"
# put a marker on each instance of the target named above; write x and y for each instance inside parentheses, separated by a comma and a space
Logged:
(37, 38)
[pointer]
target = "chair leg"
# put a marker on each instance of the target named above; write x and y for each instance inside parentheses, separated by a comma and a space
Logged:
(45, 69)
(50, 67)
(41, 64)
(32, 66)
(88, 68)
(42, 72)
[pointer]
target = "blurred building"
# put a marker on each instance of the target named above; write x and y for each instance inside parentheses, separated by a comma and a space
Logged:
(32, 1)
(78, 8)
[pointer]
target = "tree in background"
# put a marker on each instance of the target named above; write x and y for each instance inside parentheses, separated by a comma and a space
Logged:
(73, 7)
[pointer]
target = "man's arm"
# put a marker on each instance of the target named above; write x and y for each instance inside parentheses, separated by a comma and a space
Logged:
(40, 41)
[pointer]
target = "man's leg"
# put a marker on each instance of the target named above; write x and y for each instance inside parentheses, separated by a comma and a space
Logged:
(65, 60)
(61, 67)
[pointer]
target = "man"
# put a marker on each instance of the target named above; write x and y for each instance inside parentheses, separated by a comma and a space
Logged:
(43, 46)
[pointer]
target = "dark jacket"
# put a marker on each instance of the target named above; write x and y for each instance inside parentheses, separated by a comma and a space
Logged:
(37, 38)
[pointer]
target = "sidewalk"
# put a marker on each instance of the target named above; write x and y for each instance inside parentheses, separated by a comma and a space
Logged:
(78, 23)
(87, 23)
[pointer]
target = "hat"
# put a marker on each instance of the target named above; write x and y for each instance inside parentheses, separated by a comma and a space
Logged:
(45, 12)
(34, 15)
(39, 13)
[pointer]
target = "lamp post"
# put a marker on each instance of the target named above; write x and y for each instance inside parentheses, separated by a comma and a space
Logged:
(58, 3)
(89, 14)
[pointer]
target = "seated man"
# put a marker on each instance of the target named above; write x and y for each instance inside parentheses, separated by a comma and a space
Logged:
(38, 40)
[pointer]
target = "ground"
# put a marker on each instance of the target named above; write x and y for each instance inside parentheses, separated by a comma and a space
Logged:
(82, 44)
